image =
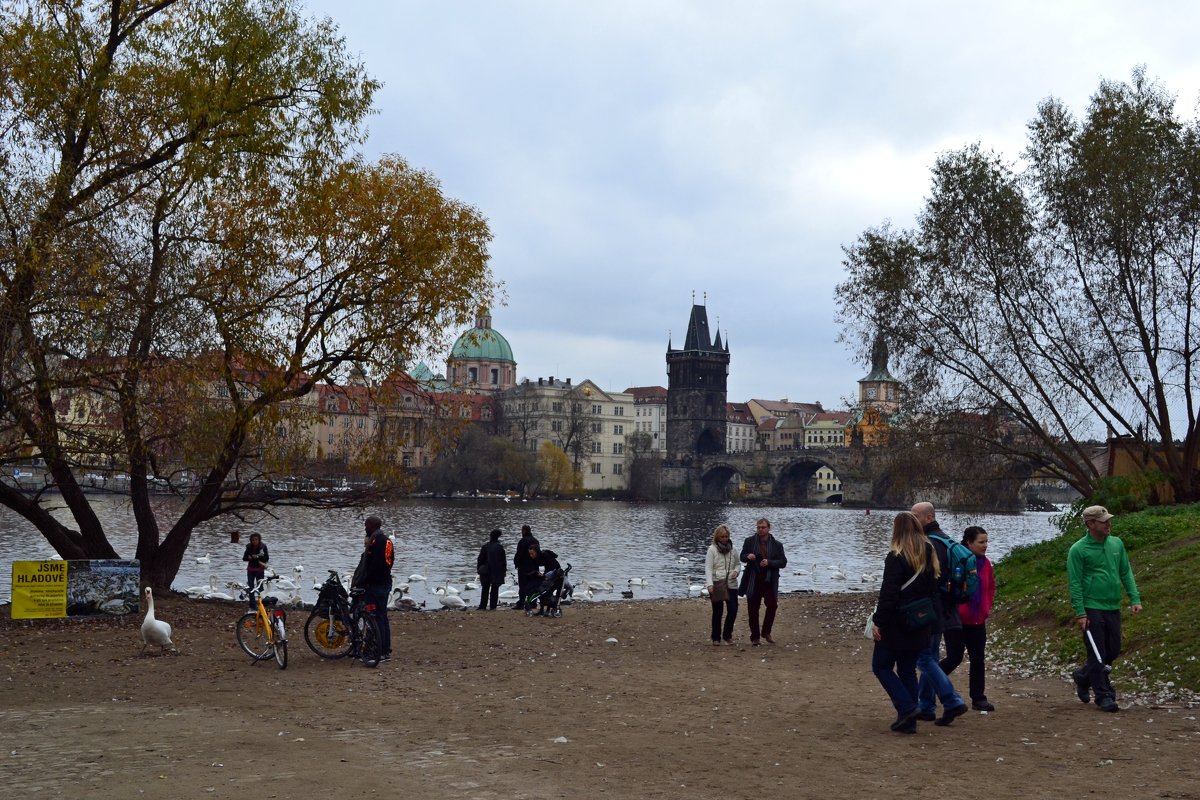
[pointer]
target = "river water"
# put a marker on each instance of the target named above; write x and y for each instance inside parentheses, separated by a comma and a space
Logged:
(605, 541)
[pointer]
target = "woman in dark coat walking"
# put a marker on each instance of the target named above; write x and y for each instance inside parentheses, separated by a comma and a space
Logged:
(910, 573)
(491, 566)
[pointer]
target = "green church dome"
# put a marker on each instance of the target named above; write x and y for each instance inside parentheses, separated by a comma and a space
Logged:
(482, 343)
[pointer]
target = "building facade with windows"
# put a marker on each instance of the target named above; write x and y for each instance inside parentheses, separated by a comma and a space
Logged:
(741, 433)
(650, 415)
(584, 421)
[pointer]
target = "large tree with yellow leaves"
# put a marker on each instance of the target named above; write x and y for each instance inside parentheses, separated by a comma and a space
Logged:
(183, 208)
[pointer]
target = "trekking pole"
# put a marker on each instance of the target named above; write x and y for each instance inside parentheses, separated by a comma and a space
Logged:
(1096, 650)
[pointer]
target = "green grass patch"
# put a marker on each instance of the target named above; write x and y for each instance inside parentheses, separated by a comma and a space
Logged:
(1161, 645)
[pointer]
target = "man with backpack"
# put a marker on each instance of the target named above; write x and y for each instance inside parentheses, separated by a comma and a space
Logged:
(933, 684)
(374, 574)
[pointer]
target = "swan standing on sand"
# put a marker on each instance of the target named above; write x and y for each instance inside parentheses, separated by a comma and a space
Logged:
(155, 631)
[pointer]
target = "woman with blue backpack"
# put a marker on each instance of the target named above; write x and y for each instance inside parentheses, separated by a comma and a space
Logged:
(972, 637)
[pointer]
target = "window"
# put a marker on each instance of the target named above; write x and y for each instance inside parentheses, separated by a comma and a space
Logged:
(331, 438)
(407, 460)
(618, 448)
(618, 430)
(597, 427)
(618, 411)
(597, 408)
(618, 469)
(595, 469)
(495, 377)
(596, 447)
(556, 425)
(347, 422)
(473, 372)
(361, 423)
(556, 407)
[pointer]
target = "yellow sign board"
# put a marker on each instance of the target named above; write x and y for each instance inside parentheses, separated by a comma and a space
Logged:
(39, 589)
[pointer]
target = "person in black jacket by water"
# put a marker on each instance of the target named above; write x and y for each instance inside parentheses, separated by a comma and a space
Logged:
(763, 556)
(910, 573)
(375, 575)
(491, 566)
(528, 579)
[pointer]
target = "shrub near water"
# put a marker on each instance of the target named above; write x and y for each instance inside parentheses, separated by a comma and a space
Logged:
(1161, 645)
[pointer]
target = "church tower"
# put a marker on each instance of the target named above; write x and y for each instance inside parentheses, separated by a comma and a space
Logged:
(697, 376)
(879, 389)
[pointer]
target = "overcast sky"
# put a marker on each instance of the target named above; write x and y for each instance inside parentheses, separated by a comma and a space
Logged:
(629, 153)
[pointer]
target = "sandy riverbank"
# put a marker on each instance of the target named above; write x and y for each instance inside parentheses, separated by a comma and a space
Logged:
(478, 705)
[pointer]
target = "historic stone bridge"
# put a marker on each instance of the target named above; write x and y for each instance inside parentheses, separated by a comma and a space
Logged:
(775, 475)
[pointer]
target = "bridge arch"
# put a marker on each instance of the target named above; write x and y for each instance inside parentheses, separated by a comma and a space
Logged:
(781, 476)
(720, 481)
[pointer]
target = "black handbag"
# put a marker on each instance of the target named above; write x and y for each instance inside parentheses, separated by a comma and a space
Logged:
(919, 613)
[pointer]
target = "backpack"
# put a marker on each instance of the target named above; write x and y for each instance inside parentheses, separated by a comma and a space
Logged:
(963, 577)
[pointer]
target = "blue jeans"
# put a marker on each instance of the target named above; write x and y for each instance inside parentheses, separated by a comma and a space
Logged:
(933, 680)
(900, 685)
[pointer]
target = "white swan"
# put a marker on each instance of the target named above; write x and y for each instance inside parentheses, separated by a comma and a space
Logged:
(696, 588)
(416, 577)
(509, 594)
(638, 582)
(838, 574)
(155, 631)
(204, 559)
(298, 569)
(452, 601)
(683, 560)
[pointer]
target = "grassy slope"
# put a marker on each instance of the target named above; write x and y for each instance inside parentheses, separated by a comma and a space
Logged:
(1161, 645)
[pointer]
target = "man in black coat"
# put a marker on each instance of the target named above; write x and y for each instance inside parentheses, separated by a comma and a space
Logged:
(374, 574)
(491, 566)
(763, 556)
(528, 579)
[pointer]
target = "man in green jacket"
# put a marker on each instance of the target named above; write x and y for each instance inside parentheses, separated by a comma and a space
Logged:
(1097, 568)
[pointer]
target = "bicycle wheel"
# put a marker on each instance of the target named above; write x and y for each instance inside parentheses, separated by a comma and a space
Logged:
(252, 636)
(328, 635)
(280, 644)
(368, 645)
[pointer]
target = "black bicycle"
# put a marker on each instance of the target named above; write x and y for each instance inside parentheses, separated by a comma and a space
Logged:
(343, 624)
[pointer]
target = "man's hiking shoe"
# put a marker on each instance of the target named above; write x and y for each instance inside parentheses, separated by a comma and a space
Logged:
(1083, 690)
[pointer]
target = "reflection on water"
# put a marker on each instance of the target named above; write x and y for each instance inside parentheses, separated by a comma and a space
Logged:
(604, 541)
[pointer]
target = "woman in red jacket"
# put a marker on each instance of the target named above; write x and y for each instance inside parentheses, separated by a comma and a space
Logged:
(973, 613)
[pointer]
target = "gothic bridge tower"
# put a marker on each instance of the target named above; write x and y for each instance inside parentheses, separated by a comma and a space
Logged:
(697, 376)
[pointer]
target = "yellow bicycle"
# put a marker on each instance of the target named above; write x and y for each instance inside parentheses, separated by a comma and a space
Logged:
(262, 633)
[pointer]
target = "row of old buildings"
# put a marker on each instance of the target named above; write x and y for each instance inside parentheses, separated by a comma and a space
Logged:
(602, 430)
(411, 417)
